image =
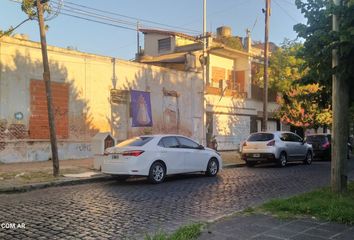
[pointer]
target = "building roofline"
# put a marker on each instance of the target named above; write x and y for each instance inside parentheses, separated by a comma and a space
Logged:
(166, 32)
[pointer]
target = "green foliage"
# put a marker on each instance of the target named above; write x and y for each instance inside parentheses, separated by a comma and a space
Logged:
(320, 40)
(322, 204)
(285, 67)
(7, 32)
(189, 232)
(30, 8)
(232, 42)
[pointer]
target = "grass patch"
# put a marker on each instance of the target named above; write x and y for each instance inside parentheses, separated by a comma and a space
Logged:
(189, 232)
(322, 204)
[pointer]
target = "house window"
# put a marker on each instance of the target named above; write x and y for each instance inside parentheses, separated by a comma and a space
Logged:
(164, 44)
(218, 74)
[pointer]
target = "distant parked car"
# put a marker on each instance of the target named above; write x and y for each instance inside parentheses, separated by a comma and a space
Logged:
(156, 156)
(321, 144)
(278, 147)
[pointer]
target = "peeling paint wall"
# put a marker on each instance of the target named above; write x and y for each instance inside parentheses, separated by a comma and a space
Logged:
(90, 79)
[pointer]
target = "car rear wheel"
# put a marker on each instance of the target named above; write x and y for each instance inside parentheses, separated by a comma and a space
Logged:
(250, 164)
(157, 173)
(308, 158)
(282, 161)
(212, 168)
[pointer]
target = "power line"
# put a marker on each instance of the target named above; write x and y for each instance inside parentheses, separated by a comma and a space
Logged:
(96, 21)
(134, 18)
(91, 14)
(286, 12)
(99, 18)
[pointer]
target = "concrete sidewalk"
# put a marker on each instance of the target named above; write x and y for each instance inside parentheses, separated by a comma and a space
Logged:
(264, 227)
(15, 177)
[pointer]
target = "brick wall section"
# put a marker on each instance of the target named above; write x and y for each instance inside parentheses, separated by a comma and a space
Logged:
(38, 123)
(17, 131)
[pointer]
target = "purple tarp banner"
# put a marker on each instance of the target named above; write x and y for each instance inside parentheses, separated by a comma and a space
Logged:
(140, 109)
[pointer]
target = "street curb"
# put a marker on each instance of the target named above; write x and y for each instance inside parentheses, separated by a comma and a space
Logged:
(58, 183)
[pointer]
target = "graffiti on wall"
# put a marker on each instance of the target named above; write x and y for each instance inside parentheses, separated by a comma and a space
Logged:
(140, 108)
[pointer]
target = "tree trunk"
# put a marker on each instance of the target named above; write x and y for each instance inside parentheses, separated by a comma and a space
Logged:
(340, 102)
(46, 78)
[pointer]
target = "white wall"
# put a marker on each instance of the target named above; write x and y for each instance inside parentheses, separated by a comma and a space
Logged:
(90, 77)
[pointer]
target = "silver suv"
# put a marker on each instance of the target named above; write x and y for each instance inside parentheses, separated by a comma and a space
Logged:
(278, 147)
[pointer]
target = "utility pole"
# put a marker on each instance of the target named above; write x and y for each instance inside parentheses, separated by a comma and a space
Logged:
(46, 78)
(340, 105)
(265, 77)
(204, 62)
(137, 40)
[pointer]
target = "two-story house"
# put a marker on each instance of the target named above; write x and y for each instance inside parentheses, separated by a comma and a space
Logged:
(232, 106)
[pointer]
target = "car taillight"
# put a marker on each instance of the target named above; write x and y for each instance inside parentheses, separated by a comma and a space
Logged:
(133, 153)
(325, 145)
(271, 143)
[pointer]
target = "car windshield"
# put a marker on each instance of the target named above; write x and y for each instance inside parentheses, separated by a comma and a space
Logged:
(136, 141)
(316, 138)
(260, 137)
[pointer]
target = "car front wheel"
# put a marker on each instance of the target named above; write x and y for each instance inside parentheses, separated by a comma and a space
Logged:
(212, 168)
(157, 173)
(308, 158)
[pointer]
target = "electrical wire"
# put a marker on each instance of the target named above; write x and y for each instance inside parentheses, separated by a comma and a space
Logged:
(286, 12)
(96, 21)
(129, 17)
(12, 29)
(95, 17)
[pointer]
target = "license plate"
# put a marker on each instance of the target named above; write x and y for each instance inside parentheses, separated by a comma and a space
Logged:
(256, 155)
(115, 156)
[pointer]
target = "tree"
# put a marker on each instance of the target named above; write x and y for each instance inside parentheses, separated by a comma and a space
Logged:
(285, 67)
(320, 42)
(32, 9)
(299, 107)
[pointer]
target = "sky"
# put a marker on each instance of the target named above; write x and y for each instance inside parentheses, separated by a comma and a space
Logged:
(181, 15)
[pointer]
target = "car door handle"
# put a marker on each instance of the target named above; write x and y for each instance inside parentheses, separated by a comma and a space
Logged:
(163, 152)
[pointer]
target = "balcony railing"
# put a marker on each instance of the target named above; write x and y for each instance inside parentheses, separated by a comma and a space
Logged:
(227, 92)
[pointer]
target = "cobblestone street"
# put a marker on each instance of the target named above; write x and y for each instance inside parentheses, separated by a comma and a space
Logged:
(130, 209)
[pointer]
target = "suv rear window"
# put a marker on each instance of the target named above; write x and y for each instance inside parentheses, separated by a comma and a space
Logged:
(137, 142)
(316, 138)
(260, 137)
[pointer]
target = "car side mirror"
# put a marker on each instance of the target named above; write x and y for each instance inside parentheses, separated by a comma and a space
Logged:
(201, 147)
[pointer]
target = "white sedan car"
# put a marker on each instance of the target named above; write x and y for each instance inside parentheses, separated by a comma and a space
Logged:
(156, 156)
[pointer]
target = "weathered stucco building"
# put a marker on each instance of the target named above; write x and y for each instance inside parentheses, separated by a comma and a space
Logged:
(233, 105)
(91, 94)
